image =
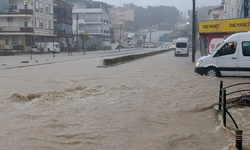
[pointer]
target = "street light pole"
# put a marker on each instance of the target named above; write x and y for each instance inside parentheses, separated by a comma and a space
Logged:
(77, 18)
(120, 38)
(193, 33)
(150, 34)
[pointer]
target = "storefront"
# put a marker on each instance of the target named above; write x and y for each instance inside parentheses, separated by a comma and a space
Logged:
(212, 33)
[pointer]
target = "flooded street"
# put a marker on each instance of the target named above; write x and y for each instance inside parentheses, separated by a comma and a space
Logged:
(155, 103)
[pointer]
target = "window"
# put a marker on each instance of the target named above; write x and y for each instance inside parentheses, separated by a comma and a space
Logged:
(37, 23)
(25, 23)
(41, 24)
(47, 8)
(47, 24)
(41, 7)
(51, 25)
(181, 45)
(246, 48)
(228, 49)
(15, 40)
(37, 6)
(96, 6)
(89, 6)
(25, 5)
(51, 9)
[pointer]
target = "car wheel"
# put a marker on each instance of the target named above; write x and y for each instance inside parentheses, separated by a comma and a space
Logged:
(212, 72)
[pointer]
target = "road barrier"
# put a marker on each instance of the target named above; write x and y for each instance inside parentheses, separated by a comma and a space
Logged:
(243, 100)
(123, 59)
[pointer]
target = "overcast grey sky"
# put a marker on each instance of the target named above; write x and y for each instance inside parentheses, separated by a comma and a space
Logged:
(182, 5)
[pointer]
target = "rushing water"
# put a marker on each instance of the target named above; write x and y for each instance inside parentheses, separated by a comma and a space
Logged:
(156, 103)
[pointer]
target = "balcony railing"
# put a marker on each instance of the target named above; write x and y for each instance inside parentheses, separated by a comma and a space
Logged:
(18, 11)
(67, 21)
(16, 29)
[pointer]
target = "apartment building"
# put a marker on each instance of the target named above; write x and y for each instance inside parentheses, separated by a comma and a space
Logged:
(231, 9)
(216, 13)
(63, 24)
(25, 22)
(119, 15)
(93, 19)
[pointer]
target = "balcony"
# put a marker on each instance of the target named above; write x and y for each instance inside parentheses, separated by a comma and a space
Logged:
(16, 30)
(66, 21)
(18, 13)
(67, 35)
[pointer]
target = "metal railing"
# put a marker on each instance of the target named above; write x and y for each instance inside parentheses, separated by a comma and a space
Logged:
(223, 107)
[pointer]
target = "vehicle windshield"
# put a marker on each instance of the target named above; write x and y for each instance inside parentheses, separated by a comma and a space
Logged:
(215, 51)
(181, 45)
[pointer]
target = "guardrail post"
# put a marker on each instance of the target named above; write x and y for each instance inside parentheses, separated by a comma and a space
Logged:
(224, 107)
(220, 96)
(239, 135)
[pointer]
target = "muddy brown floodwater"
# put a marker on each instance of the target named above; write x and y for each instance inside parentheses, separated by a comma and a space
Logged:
(156, 103)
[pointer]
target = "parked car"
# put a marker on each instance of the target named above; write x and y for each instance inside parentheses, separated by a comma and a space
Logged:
(230, 58)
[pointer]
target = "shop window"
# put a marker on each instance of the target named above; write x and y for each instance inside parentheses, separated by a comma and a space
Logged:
(15, 40)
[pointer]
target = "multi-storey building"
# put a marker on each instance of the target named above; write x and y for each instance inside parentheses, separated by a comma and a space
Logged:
(119, 15)
(63, 23)
(24, 22)
(93, 19)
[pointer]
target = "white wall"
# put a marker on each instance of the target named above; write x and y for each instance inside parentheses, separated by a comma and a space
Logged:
(231, 8)
(44, 17)
(16, 22)
(219, 11)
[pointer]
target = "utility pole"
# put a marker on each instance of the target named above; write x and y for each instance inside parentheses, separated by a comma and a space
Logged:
(77, 18)
(150, 35)
(120, 38)
(193, 32)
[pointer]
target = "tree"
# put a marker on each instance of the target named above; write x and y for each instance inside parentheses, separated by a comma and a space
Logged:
(84, 37)
(41, 47)
(129, 26)
(112, 32)
(4, 6)
(152, 15)
(144, 37)
(202, 12)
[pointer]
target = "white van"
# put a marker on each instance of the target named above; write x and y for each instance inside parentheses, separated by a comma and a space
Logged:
(181, 47)
(48, 47)
(231, 58)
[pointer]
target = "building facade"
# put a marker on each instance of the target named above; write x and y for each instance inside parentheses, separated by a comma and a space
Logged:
(63, 23)
(231, 9)
(93, 18)
(119, 15)
(26, 22)
(216, 13)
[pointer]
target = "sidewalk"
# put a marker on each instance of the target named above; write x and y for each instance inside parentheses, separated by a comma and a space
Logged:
(10, 62)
